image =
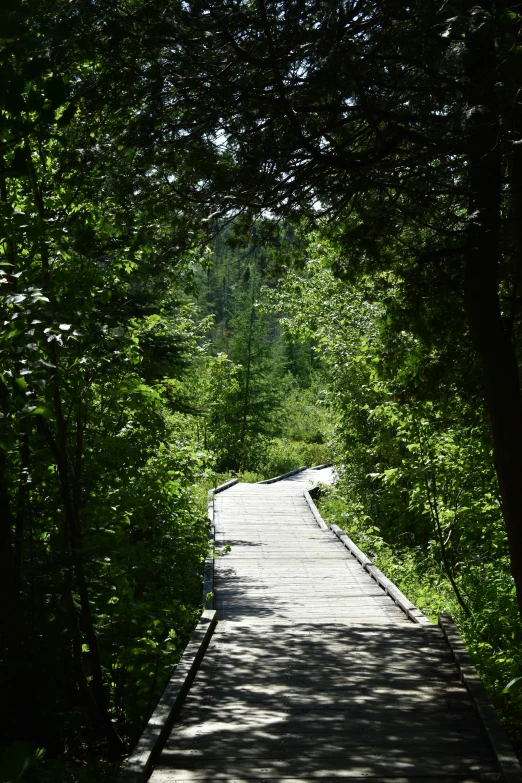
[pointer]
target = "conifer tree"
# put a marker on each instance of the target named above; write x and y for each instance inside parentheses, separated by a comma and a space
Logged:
(248, 387)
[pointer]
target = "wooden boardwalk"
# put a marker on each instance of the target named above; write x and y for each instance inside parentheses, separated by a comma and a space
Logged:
(313, 672)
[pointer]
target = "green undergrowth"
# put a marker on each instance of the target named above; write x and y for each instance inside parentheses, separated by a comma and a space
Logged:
(213, 480)
(284, 455)
(281, 456)
(28, 769)
(492, 632)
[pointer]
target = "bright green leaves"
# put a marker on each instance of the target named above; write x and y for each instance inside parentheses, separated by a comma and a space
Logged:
(17, 759)
(418, 490)
(96, 341)
(515, 683)
(20, 385)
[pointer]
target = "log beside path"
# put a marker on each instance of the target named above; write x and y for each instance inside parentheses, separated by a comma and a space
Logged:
(319, 669)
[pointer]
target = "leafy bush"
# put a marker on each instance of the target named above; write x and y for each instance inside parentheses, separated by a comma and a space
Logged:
(283, 455)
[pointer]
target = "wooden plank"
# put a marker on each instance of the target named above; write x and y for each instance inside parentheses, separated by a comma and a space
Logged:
(340, 717)
(399, 598)
(223, 487)
(313, 508)
(262, 595)
(403, 754)
(223, 739)
(453, 698)
(208, 573)
(350, 546)
(321, 669)
(323, 603)
(330, 659)
(296, 676)
(392, 590)
(351, 765)
(180, 776)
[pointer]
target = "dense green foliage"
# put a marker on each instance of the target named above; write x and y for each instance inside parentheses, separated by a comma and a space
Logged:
(263, 390)
(113, 407)
(101, 542)
(162, 169)
(399, 124)
(417, 489)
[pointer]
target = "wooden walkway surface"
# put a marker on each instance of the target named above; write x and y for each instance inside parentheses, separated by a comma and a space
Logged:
(313, 672)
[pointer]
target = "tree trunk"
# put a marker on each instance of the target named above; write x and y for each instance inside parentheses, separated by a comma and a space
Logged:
(22, 505)
(6, 557)
(94, 696)
(7, 566)
(489, 331)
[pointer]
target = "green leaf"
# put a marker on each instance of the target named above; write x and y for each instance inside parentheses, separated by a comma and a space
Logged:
(21, 384)
(512, 684)
(16, 759)
(42, 410)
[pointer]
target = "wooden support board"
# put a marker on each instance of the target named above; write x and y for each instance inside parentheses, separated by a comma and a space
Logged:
(314, 672)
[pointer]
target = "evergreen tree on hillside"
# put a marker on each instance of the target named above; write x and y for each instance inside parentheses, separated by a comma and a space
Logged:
(248, 384)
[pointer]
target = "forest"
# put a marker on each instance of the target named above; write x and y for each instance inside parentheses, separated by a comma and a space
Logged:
(236, 238)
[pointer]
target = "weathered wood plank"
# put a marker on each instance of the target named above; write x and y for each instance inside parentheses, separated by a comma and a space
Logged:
(180, 776)
(283, 476)
(353, 764)
(320, 669)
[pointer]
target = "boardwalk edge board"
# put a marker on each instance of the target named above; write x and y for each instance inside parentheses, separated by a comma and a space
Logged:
(208, 573)
(415, 615)
(283, 475)
(313, 508)
(139, 765)
(386, 584)
(510, 769)
(222, 487)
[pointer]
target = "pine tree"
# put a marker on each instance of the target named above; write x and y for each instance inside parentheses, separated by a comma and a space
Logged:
(248, 385)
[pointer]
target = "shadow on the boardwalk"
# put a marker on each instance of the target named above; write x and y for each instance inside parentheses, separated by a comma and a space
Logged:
(298, 702)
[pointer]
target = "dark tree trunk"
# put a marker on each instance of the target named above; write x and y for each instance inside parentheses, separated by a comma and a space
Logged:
(93, 694)
(489, 331)
(6, 556)
(22, 507)
(7, 566)
(72, 542)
